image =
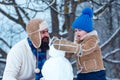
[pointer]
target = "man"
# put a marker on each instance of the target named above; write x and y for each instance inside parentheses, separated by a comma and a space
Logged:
(26, 58)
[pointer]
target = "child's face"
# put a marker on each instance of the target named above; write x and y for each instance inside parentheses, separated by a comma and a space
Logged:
(79, 33)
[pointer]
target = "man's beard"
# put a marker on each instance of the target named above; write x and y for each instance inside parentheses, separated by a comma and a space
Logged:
(44, 44)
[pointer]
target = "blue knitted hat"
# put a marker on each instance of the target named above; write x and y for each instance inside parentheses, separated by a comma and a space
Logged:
(84, 21)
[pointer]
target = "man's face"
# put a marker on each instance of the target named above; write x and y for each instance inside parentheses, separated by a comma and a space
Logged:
(45, 39)
(44, 33)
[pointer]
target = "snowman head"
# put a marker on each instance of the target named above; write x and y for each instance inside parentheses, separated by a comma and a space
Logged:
(56, 53)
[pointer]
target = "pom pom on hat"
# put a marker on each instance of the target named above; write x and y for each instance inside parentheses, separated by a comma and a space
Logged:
(84, 21)
(88, 11)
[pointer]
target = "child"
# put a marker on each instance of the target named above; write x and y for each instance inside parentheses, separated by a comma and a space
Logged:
(89, 61)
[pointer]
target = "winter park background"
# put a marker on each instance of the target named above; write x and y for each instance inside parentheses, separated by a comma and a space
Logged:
(14, 14)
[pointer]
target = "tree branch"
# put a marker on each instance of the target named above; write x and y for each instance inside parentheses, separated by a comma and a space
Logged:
(8, 16)
(111, 60)
(42, 10)
(102, 9)
(12, 18)
(2, 60)
(4, 3)
(3, 53)
(25, 13)
(111, 53)
(5, 42)
(99, 4)
(110, 39)
(20, 19)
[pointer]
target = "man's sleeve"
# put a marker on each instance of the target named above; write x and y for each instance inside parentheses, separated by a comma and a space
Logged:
(13, 65)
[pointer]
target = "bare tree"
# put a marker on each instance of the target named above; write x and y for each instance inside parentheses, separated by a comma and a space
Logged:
(106, 15)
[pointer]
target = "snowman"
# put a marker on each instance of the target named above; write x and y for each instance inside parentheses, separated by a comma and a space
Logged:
(57, 67)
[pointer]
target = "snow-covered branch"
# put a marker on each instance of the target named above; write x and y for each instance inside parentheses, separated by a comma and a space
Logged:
(3, 54)
(111, 53)
(55, 9)
(0, 77)
(110, 39)
(5, 3)
(99, 4)
(73, 62)
(2, 60)
(41, 10)
(50, 3)
(103, 8)
(111, 60)
(1, 39)
(108, 78)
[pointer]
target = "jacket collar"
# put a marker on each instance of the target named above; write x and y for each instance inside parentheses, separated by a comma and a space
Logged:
(89, 34)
